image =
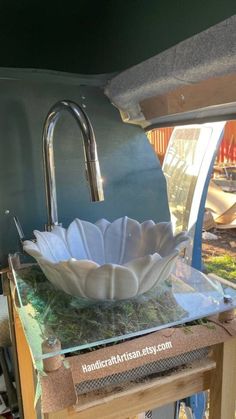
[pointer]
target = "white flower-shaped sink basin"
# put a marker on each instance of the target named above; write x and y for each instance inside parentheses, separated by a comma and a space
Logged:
(107, 261)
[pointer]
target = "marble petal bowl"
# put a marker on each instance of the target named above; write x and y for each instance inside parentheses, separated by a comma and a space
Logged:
(107, 261)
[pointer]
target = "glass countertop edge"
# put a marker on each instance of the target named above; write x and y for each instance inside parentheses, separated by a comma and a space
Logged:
(125, 337)
(37, 355)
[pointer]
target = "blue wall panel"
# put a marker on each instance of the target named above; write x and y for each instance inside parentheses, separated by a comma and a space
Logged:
(133, 179)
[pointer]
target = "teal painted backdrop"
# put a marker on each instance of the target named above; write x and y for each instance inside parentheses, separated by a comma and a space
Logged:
(96, 36)
(133, 180)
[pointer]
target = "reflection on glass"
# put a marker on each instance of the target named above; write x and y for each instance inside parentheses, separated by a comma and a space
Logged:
(186, 166)
(79, 324)
(181, 169)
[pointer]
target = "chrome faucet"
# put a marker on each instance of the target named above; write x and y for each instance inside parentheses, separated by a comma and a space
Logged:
(90, 153)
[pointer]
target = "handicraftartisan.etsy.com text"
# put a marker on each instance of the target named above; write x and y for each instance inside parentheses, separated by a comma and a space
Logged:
(126, 356)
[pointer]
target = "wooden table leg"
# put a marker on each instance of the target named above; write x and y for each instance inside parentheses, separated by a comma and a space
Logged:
(26, 372)
(223, 385)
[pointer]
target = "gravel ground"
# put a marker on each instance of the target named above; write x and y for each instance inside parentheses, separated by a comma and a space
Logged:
(225, 244)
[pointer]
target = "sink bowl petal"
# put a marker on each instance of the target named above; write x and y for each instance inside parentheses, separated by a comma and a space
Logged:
(111, 282)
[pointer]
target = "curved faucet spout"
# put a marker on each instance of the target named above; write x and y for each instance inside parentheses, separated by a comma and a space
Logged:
(90, 155)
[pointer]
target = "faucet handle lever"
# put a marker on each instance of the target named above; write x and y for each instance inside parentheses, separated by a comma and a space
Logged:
(20, 231)
(86, 173)
(19, 228)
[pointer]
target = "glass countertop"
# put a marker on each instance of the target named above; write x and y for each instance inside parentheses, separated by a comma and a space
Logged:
(79, 324)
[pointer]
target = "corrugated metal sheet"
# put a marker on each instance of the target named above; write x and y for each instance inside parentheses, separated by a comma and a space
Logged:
(159, 139)
(227, 152)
